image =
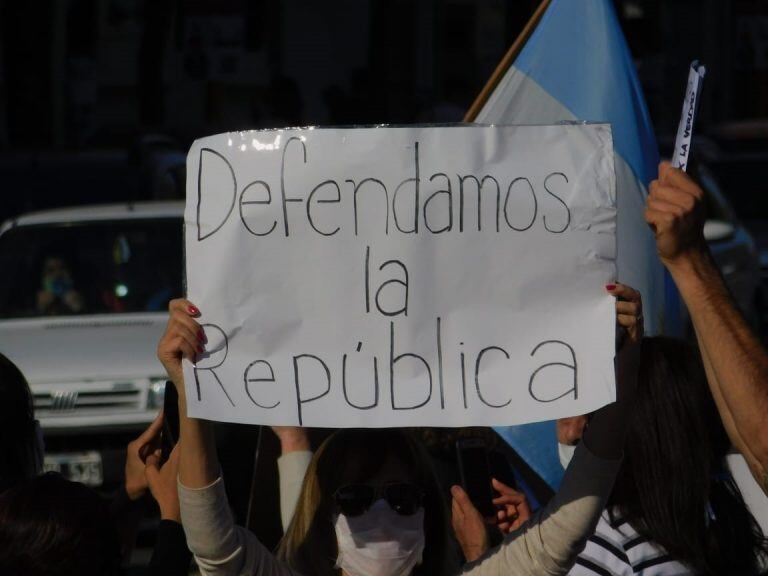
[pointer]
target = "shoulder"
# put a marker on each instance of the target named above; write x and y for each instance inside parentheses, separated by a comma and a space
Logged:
(617, 548)
(604, 553)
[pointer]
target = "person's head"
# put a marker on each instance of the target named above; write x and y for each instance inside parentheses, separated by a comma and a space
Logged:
(56, 268)
(50, 526)
(377, 481)
(21, 449)
(672, 485)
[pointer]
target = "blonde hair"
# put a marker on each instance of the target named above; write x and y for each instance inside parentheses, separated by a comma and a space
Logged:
(304, 514)
(351, 456)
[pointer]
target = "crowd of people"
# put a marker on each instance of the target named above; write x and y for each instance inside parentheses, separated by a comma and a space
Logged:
(646, 488)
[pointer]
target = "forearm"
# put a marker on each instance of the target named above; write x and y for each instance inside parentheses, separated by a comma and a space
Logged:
(293, 439)
(756, 468)
(292, 467)
(221, 548)
(608, 426)
(738, 362)
(722, 407)
(552, 539)
(198, 462)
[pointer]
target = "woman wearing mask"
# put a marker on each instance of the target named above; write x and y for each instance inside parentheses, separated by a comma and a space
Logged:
(369, 504)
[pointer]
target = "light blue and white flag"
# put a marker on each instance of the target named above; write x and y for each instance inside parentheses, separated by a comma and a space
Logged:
(576, 66)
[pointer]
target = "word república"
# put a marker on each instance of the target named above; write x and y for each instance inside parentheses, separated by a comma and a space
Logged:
(306, 378)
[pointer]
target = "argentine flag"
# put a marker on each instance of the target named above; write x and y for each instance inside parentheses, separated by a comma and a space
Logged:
(576, 66)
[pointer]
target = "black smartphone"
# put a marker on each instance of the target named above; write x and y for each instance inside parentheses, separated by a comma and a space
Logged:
(170, 434)
(475, 473)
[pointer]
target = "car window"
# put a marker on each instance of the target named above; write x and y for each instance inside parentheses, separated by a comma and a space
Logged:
(90, 268)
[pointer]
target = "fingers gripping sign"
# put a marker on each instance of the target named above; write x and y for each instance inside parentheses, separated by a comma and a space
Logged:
(629, 310)
(183, 338)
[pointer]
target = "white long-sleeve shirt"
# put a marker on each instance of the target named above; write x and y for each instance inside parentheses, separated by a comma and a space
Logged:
(548, 544)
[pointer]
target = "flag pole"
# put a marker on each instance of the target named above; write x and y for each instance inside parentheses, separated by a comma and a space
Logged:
(505, 63)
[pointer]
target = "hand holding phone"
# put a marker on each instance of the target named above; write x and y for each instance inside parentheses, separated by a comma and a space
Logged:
(474, 469)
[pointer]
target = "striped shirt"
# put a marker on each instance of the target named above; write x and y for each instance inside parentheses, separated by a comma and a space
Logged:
(616, 549)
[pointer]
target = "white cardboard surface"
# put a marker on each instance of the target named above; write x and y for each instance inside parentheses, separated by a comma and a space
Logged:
(344, 279)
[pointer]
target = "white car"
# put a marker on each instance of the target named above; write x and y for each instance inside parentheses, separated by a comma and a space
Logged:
(83, 303)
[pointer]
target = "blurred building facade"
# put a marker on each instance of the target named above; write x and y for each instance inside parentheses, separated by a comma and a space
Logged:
(76, 73)
(91, 73)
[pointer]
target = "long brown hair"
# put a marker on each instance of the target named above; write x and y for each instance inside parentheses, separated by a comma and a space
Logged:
(673, 487)
(353, 456)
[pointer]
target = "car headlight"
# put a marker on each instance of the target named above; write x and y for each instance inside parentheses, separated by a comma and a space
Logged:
(156, 395)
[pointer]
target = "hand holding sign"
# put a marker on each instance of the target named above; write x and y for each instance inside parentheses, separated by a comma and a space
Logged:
(629, 310)
(183, 338)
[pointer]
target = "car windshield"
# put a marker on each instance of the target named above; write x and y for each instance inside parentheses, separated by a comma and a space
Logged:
(90, 267)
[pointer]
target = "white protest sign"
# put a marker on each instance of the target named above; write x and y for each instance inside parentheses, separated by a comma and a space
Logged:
(419, 276)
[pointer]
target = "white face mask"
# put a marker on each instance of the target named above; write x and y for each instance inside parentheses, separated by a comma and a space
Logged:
(380, 542)
(565, 453)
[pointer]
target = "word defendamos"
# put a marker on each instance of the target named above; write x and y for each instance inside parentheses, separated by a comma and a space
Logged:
(438, 276)
(415, 200)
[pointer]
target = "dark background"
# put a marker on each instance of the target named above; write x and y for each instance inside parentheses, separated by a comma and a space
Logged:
(99, 99)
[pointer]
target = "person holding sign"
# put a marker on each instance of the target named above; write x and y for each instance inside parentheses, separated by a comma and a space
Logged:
(376, 487)
(675, 508)
(735, 361)
(697, 523)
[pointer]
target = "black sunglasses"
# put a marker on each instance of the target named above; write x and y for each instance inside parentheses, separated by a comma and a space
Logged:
(355, 499)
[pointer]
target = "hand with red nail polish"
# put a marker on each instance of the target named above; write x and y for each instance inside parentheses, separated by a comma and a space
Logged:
(629, 310)
(183, 338)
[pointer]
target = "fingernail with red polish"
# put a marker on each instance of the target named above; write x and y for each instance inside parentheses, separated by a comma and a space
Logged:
(193, 310)
(610, 287)
(200, 349)
(201, 335)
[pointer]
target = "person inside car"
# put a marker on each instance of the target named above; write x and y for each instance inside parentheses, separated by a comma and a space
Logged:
(57, 294)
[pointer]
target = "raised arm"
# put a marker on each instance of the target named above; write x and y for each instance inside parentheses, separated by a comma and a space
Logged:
(220, 548)
(735, 360)
(198, 461)
(468, 524)
(295, 456)
(550, 542)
